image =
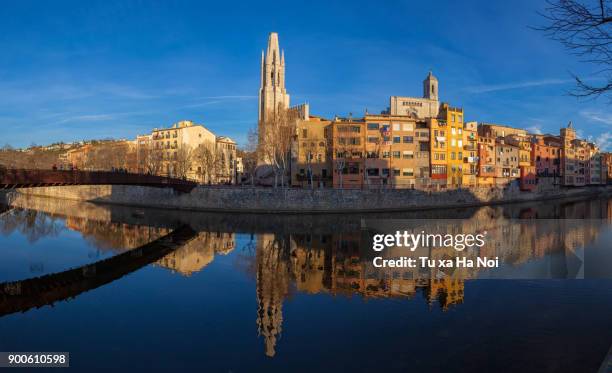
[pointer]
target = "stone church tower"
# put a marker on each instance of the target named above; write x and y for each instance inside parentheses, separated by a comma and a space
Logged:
(430, 87)
(272, 92)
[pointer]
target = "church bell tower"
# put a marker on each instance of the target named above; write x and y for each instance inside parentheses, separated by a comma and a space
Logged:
(272, 92)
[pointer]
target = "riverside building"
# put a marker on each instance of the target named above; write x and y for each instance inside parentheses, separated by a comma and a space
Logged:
(470, 154)
(453, 117)
(187, 150)
(311, 154)
(396, 151)
(420, 143)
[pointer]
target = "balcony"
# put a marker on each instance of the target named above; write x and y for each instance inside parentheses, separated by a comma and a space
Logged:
(470, 147)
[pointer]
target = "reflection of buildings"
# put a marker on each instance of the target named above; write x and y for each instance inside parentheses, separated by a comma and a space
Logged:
(114, 236)
(186, 260)
(338, 264)
(199, 252)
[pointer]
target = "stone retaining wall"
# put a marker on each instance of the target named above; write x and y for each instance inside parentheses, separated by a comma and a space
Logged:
(271, 200)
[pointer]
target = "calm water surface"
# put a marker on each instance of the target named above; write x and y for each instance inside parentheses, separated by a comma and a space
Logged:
(123, 288)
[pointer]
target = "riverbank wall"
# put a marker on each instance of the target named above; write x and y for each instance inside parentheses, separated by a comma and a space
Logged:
(292, 200)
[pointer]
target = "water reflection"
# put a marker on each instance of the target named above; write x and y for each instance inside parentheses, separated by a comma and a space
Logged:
(305, 254)
(198, 253)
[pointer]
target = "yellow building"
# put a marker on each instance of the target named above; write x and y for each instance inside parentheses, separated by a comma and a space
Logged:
(470, 154)
(454, 144)
(311, 158)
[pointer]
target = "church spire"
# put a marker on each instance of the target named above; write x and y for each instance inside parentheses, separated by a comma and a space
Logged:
(272, 92)
(273, 56)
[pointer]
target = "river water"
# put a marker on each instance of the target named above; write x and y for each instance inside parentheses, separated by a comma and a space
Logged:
(129, 288)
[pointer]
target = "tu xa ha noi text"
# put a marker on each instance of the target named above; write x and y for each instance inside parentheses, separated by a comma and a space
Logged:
(412, 242)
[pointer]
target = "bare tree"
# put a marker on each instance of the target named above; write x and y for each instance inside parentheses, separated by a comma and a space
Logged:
(586, 31)
(276, 140)
(151, 160)
(250, 154)
(342, 153)
(183, 161)
(206, 158)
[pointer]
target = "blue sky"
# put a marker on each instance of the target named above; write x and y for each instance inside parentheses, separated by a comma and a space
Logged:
(80, 70)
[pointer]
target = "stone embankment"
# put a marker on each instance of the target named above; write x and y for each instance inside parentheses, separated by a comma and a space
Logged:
(269, 200)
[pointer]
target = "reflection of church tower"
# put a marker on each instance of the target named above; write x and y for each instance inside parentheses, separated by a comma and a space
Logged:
(272, 287)
(272, 92)
(430, 87)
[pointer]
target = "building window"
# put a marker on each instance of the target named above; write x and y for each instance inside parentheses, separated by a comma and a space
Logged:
(408, 139)
(396, 172)
(372, 171)
(396, 139)
(438, 170)
(396, 126)
(373, 126)
(396, 154)
(373, 140)
(407, 126)
(407, 172)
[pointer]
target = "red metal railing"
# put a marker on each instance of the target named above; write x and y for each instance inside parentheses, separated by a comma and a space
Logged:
(22, 178)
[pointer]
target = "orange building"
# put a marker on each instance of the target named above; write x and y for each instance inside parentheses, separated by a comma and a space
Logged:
(438, 132)
(607, 163)
(486, 161)
(546, 155)
(470, 154)
(396, 151)
(528, 178)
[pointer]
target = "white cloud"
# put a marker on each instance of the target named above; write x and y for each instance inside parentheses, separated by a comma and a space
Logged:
(87, 118)
(604, 141)
(535, 129)
(515, 85)
(597, 116)
(212, 100)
